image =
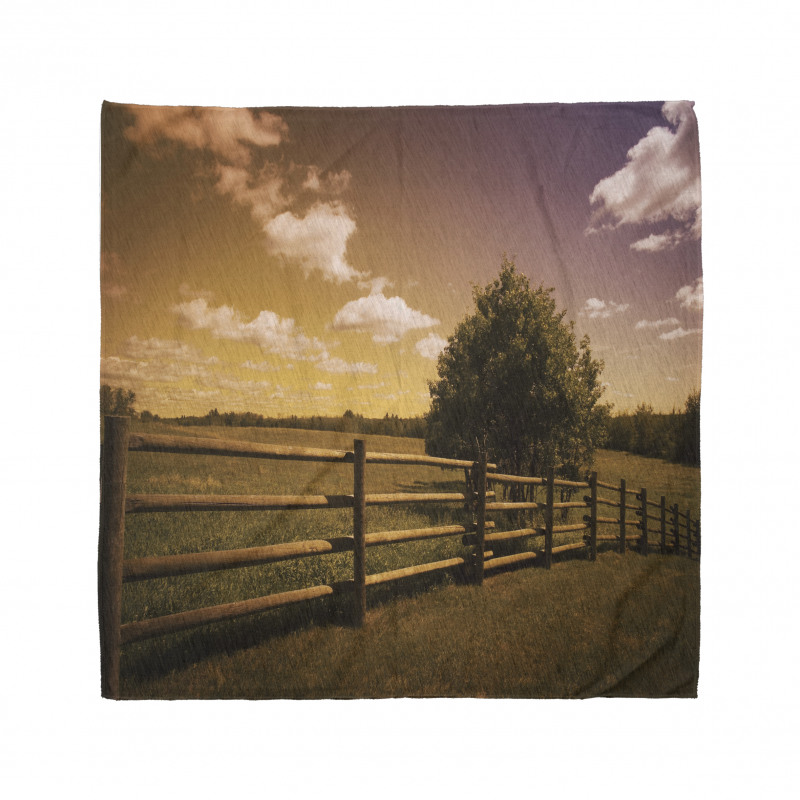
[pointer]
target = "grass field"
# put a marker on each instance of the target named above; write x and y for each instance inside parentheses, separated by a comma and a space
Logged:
(429, 638)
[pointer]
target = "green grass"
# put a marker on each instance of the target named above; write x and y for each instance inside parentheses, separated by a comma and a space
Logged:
(307, 650)
(625, 626)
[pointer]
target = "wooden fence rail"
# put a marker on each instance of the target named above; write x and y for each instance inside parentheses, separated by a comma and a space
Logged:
(477, 532)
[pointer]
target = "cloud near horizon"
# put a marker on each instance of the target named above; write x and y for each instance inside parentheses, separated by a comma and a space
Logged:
(161, 349)
(659, 183)
(388, 319)
(270, 332)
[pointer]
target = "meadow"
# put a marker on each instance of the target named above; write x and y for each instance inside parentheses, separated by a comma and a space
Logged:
(527, 633)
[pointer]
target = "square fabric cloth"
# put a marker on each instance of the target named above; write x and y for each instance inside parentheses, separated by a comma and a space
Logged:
(400, 401)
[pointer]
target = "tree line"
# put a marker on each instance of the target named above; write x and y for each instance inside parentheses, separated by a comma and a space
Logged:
(675, 436)
(121, 402)
(514, 385)
(349, 422)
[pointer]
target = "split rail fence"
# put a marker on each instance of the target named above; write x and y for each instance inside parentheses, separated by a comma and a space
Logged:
(672, 530)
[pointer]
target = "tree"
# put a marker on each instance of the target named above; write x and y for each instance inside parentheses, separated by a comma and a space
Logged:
(687, 446)
(514, 383)
(118, 402)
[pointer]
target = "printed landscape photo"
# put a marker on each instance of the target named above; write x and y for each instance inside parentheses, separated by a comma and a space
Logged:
(400, 402)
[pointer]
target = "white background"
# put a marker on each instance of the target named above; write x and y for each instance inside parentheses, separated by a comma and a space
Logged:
(60, 61)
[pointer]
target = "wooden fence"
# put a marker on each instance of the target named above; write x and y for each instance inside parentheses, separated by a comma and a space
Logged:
(672, 530)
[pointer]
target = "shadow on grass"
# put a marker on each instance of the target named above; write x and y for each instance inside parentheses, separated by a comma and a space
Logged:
(162, 655)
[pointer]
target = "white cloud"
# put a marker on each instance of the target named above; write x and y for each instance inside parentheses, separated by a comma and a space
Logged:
(270, 332)
(317, 241)
(679, 333)
(317, 238)
(594, 308)
(260, 366)
(323, 386)
(128, 371)
(161, 349)
(339, 366)
(227, 132)
(262, 192)
(691, 296)
(660, 182)
(431, 346)
(656, 323)
(671, 379)
(386, 318)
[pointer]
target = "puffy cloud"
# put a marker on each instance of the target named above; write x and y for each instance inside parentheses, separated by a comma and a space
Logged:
(226, 132)
(659, 182)
(594, 308)
(431, 346)
(269, 331)
(679, 333)
(691, 296)
(656, 323)
(317, 241)
(386, 318)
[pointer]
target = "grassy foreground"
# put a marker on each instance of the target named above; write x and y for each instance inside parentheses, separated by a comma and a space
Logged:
(625, 625)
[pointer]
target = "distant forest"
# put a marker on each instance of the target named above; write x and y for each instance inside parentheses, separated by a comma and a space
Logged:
(674, 436)
(389, 425)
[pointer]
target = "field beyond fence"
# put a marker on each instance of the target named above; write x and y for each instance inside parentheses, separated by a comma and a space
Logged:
(448, 531)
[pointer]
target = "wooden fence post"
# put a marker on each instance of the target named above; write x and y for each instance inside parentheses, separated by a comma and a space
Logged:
(359, 533)
(622, 502)
(593, 517)
(644, 547)
(676, 529)
(689, 532)
(548, 519)
(111, 550)
(480, 519)
(663, 525)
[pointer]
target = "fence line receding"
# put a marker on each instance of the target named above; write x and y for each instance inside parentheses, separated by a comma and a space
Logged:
(677, 532)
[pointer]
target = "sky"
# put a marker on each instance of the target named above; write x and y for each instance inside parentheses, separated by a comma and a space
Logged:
(308, 261)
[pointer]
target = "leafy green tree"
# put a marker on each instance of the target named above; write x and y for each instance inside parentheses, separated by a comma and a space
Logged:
(514, 383)
(687, 439)
(117, 402)
(645, 441)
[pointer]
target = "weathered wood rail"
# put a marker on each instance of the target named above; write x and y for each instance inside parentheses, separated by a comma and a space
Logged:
(679, 531)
